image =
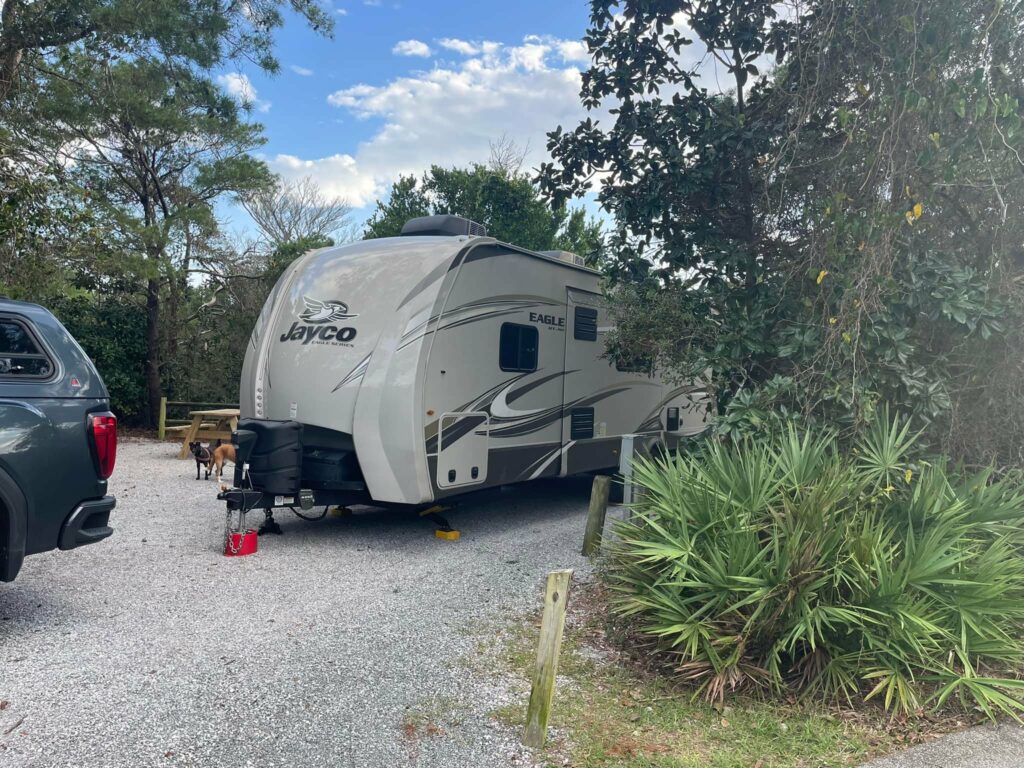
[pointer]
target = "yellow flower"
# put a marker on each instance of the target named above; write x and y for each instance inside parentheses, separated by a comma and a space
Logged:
(847, 337)
(909, 216)
(821, 276)
(833, 320)
(918, 210)
(908, 475)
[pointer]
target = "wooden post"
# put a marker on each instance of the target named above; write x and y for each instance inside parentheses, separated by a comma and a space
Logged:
(556, 598)
(162, 424)
(595, 516)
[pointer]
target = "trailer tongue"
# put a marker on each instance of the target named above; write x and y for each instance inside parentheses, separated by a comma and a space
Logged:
(274, 468)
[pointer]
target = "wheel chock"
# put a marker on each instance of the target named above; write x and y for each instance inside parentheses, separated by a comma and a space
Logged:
(447, 535)
(341, 512)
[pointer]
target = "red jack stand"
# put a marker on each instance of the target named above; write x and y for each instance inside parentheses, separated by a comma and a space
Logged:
(240, 541)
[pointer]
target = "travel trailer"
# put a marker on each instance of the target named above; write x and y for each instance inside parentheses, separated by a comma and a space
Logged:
(409, 369)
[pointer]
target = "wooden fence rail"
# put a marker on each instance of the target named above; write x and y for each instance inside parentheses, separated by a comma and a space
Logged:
(188, 405)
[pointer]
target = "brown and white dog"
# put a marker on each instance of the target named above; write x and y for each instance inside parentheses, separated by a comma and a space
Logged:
(223, 452)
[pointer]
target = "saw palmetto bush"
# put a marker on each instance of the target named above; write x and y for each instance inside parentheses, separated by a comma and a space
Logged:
(786, 565)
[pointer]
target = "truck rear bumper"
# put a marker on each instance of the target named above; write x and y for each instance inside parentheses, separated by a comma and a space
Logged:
(87, 524)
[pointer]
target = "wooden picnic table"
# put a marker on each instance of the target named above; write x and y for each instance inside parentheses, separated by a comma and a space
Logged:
(224, 421)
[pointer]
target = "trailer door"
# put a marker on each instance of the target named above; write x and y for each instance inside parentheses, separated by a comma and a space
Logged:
(585, 374)
(603, 399)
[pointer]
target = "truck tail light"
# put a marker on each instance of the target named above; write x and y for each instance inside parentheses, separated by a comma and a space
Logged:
(103, 429)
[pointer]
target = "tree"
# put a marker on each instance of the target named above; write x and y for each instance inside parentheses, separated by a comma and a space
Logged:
(33, 33)
(113, 104)
(407, 200)
(504, 201)
(507, 156)
(829, 233)
(155, 155)
(678, 170)
(296, 210)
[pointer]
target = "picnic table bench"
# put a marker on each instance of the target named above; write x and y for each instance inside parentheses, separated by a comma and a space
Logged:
(214, 424)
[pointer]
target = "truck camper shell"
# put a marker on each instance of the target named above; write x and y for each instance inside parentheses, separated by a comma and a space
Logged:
(409, 369)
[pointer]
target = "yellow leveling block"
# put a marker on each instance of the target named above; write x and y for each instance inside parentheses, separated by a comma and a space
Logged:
(447, 535)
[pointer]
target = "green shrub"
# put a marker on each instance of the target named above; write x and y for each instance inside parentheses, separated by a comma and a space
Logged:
(786, 565)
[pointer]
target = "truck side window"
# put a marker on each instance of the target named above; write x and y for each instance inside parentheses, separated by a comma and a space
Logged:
(584, 325)
(20, 354)
(517, 350)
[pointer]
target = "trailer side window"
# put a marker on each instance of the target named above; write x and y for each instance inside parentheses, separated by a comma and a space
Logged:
(517, 350)
(20, 354)
(584, 325)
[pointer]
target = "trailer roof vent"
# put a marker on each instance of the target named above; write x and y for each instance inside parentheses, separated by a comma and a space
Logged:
(567, 256)
(443, 226)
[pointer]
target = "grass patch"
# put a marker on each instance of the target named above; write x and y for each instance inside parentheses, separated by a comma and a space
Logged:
(610, 712)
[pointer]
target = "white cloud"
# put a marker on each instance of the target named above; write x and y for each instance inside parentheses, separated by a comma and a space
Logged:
(450, 115)
(303, 71)
(341, 11)
(241, 89)
(373, 3)
(573, 50)
(411, 48)
(337, 175)
(467, 48)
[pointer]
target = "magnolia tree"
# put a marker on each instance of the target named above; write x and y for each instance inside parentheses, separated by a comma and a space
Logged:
(817, 201)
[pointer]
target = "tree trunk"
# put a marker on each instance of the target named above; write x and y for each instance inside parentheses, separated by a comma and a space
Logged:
(153, 390)
(10, 55)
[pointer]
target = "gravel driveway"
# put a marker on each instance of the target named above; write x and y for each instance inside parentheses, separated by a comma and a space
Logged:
(346, 642)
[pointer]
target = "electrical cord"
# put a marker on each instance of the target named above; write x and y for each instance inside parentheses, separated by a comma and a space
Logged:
(321, 516)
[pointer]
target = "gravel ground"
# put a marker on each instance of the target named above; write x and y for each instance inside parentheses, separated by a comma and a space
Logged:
(348, 642)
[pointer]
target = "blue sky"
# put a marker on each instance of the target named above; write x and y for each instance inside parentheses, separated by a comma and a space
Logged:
(407, 83)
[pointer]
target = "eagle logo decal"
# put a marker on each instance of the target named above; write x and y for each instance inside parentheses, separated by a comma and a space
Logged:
(324, 311)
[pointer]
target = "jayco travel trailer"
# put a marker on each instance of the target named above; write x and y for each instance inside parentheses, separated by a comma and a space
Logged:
(409, 369)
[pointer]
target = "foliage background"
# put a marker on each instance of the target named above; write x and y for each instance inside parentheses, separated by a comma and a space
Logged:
(838, 227)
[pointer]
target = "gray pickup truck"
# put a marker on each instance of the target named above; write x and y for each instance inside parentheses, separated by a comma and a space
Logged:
(58, 439)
